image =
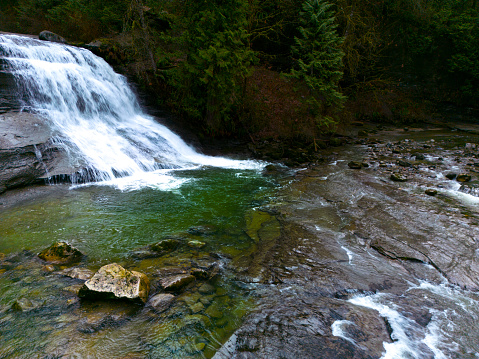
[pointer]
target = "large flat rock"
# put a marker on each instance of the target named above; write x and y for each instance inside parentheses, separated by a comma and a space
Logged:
(27, 154)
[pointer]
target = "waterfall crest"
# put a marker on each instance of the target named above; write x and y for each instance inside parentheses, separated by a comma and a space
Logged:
(94, 113)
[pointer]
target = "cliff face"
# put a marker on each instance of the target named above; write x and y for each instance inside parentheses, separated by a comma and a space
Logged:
(27, 153)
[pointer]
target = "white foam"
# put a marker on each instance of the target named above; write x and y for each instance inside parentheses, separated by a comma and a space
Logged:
(349, 253)
(337, 330)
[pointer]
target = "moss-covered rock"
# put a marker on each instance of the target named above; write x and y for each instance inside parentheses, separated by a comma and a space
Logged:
(61, 253)
(115, 282)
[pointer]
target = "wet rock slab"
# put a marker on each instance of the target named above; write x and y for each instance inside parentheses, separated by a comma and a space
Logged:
(27, 153)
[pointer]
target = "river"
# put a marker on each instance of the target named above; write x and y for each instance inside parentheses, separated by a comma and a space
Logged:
(323, 261)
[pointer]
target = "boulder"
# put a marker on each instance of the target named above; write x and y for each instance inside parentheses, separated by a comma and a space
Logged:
(112, 281)
(61, 253)
(52, 37)
(451, 176)
(27, 154)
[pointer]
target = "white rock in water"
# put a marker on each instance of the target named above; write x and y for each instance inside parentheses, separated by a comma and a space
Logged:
(114, 281)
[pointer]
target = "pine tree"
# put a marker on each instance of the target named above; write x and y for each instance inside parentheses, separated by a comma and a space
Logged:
(209, 81)
(318, 55)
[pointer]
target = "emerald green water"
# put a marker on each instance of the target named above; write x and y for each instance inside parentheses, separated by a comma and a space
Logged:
(107, 224)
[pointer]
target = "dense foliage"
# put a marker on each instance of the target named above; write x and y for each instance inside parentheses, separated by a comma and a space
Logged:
(278, 66)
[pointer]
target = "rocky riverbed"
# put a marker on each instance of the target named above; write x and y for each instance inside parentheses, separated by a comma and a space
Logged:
(339, 261)
(354, 236)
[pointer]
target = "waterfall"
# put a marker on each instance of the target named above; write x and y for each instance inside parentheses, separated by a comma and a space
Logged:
(94, 114)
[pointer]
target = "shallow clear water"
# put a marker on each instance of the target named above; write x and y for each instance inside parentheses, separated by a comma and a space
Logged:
(107, 224)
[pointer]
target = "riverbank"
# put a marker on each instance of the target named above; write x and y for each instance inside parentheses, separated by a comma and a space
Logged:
(364, 263)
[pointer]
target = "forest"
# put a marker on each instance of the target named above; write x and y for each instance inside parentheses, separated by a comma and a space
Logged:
(282, 69)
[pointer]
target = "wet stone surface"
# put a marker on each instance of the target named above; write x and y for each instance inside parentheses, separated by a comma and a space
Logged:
(343, 263)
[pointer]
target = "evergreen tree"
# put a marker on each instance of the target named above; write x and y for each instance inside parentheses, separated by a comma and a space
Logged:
(209, 80)
(318, 55)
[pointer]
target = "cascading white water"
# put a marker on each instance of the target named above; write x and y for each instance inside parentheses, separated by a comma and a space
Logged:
(94, 113)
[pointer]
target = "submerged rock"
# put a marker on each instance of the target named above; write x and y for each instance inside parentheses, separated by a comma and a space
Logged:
(115, 282)
(451, 176)
(61, 253)
(25, 305)
(77, 273)
(161, 302)
(158, 249)
(165, 245)
(176, 282)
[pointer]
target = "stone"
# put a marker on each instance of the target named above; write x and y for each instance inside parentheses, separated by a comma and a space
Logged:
(214, 312)
(403, 163)
(177, 282)
(52, 37)
(77, 273)
(206, 289)
(75, 288)
(48, 268)
(355, 165)
(161, 302)
(197, 307)
(431, 192)
(199, 273)
(200, 346)
(397, 177)
(61, 253)
(419, 156)
(191, 298)
(112, 281)
(206, 230)
(451, 176)
(165, 245)
(196, 244)
(463, 178)
(25, 305)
